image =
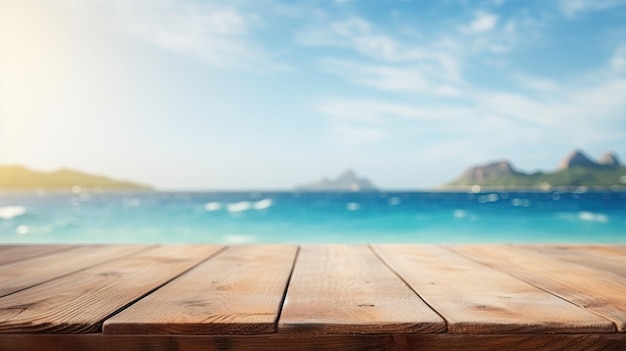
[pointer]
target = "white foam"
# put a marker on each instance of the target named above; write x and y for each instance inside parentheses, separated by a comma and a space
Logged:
(352, 206)
(394, 201)
(213, 206)
(460, 214)
(262, 204)
(488, 198)
(134, 202)
(517, 202)
(22, 229)
(10, 212)
(239, 206)
(593, 217)
(238, 239)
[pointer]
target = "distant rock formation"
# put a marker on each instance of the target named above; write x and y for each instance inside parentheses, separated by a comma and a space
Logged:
(347, 181)
(575, 170)
(578, 159)
(610, 159)
(490, 171)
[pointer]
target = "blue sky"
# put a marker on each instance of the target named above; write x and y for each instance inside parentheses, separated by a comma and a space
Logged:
(267, 94)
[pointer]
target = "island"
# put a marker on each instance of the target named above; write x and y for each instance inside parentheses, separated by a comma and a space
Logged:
(347, 181)
(15, 177)
(575, 170)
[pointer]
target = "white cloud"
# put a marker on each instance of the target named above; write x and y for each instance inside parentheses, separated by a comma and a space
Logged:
(536, 83)
(587, 109)
(483, 22)
(417, 78)
(381, 112)
(572, 8)
(219, 34)
(359, 35)
(618, 61)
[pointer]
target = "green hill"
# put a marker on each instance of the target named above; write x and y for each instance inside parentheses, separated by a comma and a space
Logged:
(567, 177)
(13, 177)
(575, 170)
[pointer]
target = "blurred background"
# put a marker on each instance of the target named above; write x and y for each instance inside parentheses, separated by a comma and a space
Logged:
(245, 120)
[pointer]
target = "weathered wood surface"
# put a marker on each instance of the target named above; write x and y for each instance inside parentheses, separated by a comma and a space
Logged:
(285, 297)
(604, 258)
(596, 290)
(347, 289)
(239, 291)
(12, 253)
(79, 302)
(27, 273)
(476, 299)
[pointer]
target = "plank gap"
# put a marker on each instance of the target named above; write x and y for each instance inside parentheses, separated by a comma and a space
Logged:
(99, 330)
(377, 254)
(538, 280)
(4, 291)
(282, 301)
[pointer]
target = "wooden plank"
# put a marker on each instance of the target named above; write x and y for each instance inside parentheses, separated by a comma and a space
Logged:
(79, 302)
(347, 289)
(313, 342)
(600, 292)
(473, 298)
(20, 275)
(12, 253)
(239, 291)
(603, 258)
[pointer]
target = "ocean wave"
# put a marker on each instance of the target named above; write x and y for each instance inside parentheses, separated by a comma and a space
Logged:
(593, 217)
(353, 206)
(488, 198)
(132, 202)
(213, 206)
(239, 206)
(262, 204)
(394, 201)
(517, 202)
(460, 214)
(10, 212)
(249, 205)
(238, 239)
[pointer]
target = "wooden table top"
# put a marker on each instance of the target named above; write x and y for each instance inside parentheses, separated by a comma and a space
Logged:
(313, 297)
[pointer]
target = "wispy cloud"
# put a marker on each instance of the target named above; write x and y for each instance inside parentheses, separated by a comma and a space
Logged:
(618, 61)
(585, 110)
(573, 8)
(218, 33)
(482, 22)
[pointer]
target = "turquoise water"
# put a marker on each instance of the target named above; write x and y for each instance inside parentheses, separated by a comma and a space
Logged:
(287, 217)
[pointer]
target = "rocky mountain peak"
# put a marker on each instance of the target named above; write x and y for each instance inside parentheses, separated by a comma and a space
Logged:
(577, 159)
(610, 159)
(346, 181)
(488, 171)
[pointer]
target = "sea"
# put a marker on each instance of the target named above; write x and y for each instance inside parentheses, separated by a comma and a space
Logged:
(294, 217)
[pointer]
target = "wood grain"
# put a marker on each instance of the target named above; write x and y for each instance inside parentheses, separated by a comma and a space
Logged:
(312, 342)
(20, 275)
(603, 258)
(595, 290)
(78, 303)
(239, 291)
(347, 289)
(473, 298)
(12, 253)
